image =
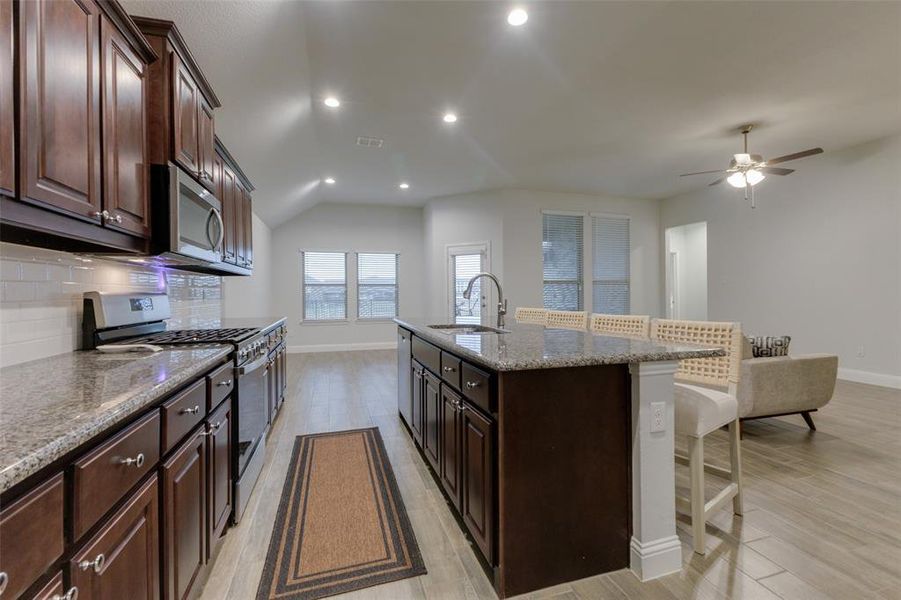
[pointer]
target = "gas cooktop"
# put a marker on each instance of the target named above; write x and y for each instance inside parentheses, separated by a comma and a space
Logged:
(197, 336)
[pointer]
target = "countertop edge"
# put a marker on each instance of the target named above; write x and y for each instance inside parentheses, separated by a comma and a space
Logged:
(46, 455)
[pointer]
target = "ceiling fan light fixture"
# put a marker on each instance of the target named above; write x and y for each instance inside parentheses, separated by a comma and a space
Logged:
(754, 176)
(736, 180)
(743, 160)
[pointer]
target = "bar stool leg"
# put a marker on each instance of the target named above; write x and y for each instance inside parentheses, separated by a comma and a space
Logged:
(735, 458)
(698, 514)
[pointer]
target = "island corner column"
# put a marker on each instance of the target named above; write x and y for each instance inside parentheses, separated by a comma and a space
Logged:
(655, 549)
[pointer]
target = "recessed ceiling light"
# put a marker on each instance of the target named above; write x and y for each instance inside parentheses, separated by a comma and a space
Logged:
(517, 17)
(332, 102)
(330, 180)
(404, 186)
(450, 117)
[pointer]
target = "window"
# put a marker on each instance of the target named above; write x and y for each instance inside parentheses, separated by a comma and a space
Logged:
(610, 284)
(324, 286)
(376, 286)
(562, 244)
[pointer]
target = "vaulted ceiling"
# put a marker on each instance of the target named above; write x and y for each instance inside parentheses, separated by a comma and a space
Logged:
(613, 98)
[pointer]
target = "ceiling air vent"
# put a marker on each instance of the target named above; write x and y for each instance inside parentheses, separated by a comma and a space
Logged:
(370, 142)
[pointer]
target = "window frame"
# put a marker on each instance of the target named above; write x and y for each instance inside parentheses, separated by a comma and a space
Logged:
(303, 288)
(396, 287)
(582, 272)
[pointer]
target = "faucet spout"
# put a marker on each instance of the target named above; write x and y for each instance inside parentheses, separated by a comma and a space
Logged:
(501, 304)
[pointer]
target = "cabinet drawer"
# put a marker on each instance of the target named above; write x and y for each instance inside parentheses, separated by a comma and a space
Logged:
(182, 413)
(427, 354)
(31, 535)
(450, 369)
(102, 476)
(477, 387)
(220, 384)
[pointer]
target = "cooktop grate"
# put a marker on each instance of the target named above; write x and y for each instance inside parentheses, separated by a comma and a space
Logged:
(197, 336)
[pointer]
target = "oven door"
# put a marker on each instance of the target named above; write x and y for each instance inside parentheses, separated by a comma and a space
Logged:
(197, 226)
(253, 410)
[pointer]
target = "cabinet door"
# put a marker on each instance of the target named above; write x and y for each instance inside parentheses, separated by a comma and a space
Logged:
(404, 377)
(125, 150)
(247, 239)
(228, 214)
(431, 433)
(219, 444)
(284, 372)
(416, 409)
(271, 392)
(238, 203)
(7, 101)
(477, 502)
(184, 478)
(59, 141)
(206, 133)
(185, 108)
(451, 424)
(122, 560)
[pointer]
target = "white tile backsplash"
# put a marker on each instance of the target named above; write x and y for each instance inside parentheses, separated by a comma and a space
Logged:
(41, 298)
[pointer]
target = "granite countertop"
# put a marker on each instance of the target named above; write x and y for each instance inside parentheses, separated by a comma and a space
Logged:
(527, 346)
(51, 406)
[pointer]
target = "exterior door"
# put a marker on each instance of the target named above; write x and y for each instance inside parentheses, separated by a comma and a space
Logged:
(450, 443)
(463, 263)
(125, 150)
(60, 108)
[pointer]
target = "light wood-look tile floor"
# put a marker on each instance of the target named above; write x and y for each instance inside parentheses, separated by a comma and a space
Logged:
(822, 510)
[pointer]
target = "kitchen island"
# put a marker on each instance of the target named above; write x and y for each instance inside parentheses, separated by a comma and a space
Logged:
(554, 446)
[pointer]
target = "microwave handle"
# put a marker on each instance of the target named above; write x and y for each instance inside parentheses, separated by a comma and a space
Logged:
(218, 243)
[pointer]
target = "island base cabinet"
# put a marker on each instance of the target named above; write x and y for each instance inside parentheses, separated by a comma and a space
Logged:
(122, 560)
(477, 494)
(416, 409)
(404, 376)
(54, 590)
(450, 429)
(431, 434)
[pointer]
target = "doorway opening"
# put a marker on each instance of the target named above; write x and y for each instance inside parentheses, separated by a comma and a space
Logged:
(686, 272)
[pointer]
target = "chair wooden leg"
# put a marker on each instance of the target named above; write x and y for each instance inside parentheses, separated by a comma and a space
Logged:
(809, 420)
(735, 459)
(698, 514)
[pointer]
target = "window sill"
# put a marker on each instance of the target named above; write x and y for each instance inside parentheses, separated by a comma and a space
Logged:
(324, 321)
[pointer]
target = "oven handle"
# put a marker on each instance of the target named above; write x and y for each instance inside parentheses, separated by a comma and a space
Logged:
(247, 369)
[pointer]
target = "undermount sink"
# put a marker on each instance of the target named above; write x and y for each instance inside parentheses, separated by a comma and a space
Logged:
(451, 328)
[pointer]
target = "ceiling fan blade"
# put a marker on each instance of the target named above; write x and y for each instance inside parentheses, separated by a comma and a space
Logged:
(701, 173)
(777, 170)
(717, 182)
(795, 156)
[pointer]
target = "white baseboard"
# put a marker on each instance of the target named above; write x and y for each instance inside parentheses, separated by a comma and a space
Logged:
(881, 379)
(341, 347)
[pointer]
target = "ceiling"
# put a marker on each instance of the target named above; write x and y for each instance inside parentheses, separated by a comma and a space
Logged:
(614, 98)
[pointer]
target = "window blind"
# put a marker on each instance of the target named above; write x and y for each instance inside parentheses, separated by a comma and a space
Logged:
(465, 267)
(324, 286)
(562, 244)
(610, 284)
(376, 285)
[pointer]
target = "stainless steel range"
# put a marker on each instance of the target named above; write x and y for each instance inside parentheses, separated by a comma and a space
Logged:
(116, 321)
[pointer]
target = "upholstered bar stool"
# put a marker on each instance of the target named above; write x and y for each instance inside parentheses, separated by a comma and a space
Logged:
(702, 409)
(629, 325)
(535, 316)
(567, 319)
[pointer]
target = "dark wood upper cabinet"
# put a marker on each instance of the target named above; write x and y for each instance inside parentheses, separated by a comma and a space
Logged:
(229, 215)
(184, 481)
(247, 237)
(205, 142)
(185, 107)
(126, 167)
(122, 559)
(238, 208)
(59, 141)
(7, 102)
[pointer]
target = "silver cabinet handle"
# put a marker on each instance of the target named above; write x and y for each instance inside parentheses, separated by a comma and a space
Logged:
(72, 594)
(223, 383)
(472, 384)
(103, 215)
(96, 564)
(117, 219)
(137, 461)
(214, 427)
(449, 369)
(4, 581)
(190, 411)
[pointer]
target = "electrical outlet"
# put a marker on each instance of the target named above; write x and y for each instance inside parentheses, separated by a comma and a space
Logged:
(861, 352)
(658, 417)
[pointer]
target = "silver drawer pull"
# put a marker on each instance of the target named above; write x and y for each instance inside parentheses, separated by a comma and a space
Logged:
(117, 219)
(214, 427)
(4, 581)
(190, 411)
(96, 564)
(223, 383)
(472, 384)
(137, 461)
(449, 369)
(72, 594)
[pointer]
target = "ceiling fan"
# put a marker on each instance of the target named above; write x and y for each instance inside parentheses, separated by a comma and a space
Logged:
(747, 170)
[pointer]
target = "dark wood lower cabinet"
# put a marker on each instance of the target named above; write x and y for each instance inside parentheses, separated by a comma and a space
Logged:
(416, 409)
(450, 428)
(431, 434)
(477, 478)
(122, 559)
(184, 481)
(54, 590)
(220, 474)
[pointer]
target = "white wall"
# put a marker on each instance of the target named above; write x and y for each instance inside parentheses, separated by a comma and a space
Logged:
(511, 221)
(818, 259)
(252, 296)
(689, 242)
(347, 228)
